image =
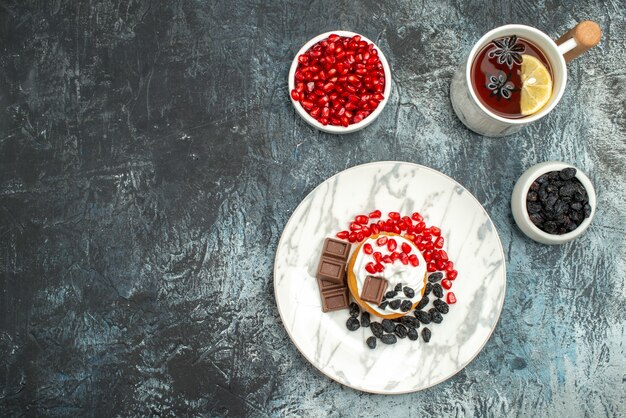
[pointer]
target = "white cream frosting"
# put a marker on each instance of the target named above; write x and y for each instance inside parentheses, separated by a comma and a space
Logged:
(395, 272)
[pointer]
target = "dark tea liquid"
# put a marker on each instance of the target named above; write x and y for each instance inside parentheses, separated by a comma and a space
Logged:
(496, 74)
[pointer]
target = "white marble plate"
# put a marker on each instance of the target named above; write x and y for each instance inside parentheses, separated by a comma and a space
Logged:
(471, 242)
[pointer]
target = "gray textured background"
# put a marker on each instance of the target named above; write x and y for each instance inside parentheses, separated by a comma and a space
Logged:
(150, 158)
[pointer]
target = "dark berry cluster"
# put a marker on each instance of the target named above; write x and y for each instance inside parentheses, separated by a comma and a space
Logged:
(557, 202)
(388, 331)
(401, 302)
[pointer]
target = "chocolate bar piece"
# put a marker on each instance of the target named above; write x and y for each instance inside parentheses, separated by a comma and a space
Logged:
(373, 289)
(336, 249)
(335, 299)
(332, 270)
(325, 285)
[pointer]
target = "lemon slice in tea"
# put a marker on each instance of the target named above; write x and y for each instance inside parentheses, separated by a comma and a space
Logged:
(536, 85)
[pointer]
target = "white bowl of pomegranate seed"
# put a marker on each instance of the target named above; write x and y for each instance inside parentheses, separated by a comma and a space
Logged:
(339, 82)
(553, 202)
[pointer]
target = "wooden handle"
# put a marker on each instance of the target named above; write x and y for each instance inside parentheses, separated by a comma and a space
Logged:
(587, 34)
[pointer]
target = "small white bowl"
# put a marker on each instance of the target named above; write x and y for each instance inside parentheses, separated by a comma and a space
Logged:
(331, 128)
(520, 214)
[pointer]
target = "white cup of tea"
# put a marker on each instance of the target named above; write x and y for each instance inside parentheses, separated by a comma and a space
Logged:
(471, 106)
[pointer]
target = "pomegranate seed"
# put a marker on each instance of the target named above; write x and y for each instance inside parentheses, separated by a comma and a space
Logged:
(315, 112)
(420, 246)
(440, 264)
(439, 242)
(444, 255)
(431, 267)
(370, 268)
(417, 217)
(404, 259)
(446, 284)
(366, 231)
(387, 259)
(435, 231)
(410, 237)
(381, 225)
(452, 274)
(394, 215)
(420, 227)
(352, 237)
(355, 226)
(375, 229)
(333, 37)
(295, 95)
(377, 256)
(392, 244)
(428, 256)
(406, 248)
(395, 255)
(429, 245)
(361, 219)
(436, 255)
(375, 214)
(359, 236)
(382, 240)
(414, 260)
(328, 87)
(450, 298)
(303, 59)
(450, 266)
(402, 225)
(367, 248)
(342, 234)
(379, 267)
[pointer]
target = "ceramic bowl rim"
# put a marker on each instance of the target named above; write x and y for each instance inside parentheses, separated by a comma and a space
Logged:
(531, 175)
(331, 128)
